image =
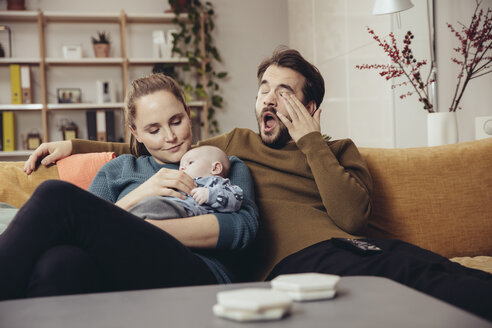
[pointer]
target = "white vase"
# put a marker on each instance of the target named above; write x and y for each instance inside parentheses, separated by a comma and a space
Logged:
(442, 128)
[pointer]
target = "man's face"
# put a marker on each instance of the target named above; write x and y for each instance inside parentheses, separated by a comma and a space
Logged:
(276, 81)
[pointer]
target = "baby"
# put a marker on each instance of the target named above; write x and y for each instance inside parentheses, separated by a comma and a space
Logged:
(209, 167)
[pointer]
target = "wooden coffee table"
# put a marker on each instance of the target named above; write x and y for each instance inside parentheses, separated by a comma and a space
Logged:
(360, 302)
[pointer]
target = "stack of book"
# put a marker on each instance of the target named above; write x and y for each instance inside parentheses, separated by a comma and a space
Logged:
(100, 125)
(20, 84)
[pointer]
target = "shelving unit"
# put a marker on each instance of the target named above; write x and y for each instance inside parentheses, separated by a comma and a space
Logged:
(44, 63)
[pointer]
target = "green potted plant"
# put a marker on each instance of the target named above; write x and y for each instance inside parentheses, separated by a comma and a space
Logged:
(188, 43)
(101, 44)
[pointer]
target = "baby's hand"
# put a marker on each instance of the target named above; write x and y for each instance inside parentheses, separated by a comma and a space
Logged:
(200, 195)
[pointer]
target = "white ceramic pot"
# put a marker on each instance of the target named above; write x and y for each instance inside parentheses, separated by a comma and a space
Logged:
(442, 128)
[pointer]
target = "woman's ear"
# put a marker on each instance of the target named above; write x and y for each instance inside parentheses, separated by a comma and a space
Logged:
(132, 131)
(188, 112)
(217, 168)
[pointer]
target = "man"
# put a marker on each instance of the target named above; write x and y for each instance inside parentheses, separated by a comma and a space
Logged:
(309, 190)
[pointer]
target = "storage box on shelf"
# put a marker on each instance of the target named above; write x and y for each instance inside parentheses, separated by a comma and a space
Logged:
(46, 62)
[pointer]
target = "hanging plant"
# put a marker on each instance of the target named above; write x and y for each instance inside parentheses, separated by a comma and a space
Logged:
(188, 43)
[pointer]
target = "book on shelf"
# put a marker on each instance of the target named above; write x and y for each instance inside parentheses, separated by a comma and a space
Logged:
(15, 84)
(26, 89)
(91, 125)
(8, 131)
(100, 125)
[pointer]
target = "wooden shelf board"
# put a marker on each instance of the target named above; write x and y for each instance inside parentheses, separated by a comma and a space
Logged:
(85, 106)
(22, 107)
(85, 61)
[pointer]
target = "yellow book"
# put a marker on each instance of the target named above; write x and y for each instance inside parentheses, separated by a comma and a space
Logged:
(8, 131)
(15, 84)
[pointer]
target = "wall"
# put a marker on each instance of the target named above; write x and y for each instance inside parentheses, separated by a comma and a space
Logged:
(360, 104)
(244, 35)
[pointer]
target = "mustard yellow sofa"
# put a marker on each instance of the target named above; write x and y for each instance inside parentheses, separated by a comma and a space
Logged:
(439, 198)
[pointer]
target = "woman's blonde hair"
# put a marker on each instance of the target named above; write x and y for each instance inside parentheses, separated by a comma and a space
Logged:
(142, 87)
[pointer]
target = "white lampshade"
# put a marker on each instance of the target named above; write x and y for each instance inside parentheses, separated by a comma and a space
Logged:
(382, 7)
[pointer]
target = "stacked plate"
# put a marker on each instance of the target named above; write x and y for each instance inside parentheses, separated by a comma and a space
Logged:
(307, 286)
(250, 304)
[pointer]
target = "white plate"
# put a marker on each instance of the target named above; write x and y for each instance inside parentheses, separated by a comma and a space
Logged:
(253, 299)
(305, 282)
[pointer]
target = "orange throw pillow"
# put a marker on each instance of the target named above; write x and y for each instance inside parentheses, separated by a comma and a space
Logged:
(80, 169)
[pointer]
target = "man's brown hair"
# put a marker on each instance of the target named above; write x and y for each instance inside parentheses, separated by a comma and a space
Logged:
(314, 88)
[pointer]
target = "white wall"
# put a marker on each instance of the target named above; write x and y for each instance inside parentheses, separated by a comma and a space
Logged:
(360, 104)
(246, 32)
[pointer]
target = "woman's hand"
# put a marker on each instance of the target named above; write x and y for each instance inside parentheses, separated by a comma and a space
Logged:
(166, 182)
(49, 152)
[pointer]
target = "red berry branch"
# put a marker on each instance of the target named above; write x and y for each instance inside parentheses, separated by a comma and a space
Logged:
(474, 51)
(475, 45)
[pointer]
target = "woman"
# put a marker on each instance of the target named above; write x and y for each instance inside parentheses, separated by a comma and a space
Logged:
(65, 240)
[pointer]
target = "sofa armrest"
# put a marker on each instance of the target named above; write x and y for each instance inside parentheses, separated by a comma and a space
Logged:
(16, 186)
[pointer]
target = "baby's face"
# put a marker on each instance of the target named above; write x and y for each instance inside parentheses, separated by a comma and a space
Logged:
(197, 163)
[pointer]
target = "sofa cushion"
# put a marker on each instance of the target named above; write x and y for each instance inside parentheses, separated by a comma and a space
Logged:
(483, 263)
(439, 198)
(80, 169)
(16, 186)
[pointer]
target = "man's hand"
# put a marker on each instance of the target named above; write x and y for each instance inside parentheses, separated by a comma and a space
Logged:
(51, 151)
(301, 122)
(200, 195)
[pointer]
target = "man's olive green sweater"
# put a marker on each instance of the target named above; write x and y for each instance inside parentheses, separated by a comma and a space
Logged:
(306, 192)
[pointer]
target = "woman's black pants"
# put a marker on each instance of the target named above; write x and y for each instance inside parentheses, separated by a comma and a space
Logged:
(65, 240)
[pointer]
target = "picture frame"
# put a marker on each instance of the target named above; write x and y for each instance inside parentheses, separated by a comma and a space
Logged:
(69, 95)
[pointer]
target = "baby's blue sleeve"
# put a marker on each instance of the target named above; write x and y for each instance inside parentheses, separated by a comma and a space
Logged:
(224, 196)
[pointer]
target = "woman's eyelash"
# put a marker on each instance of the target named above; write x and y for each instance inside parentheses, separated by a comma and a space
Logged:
(176, 122)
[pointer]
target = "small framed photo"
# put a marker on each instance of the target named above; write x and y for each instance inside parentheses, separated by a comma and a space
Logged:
(69, 96)
(72, 51)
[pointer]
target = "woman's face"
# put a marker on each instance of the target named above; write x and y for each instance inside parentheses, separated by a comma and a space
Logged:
(163, 126)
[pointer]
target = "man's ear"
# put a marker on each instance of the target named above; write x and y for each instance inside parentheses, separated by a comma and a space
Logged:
(217, 168)
(133, 132)
(311, 107)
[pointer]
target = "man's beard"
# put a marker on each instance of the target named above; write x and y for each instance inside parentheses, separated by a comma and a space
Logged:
(277, 138)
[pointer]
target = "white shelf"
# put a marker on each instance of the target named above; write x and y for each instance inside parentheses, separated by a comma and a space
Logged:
(75, 17)
(12, 107)
(197, 103)
(85, 61)
(154, 18)
(18, 15)
(14, 60)
(16, 153)
(86, 106)
(148, 61)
